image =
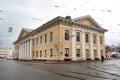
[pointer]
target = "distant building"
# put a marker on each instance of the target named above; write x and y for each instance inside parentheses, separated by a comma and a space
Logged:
(62, 39)
(5, 52)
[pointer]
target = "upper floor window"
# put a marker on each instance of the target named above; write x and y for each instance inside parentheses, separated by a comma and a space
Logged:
(36, 41)
(51, 36)
(100, 40)
(66, 34)
(40, 39)
(78, 37)
(94, 39)
(87, 38)
(33, 42)
(45, 38)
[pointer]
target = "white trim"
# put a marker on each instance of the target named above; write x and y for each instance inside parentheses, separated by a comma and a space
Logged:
(99, 55)
(83, 46)
(92, 54)
(73, 45)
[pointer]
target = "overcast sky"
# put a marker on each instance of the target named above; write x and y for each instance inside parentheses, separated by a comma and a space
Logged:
(33, 13)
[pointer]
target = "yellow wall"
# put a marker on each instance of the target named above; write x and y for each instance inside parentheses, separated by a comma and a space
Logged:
(16, 50)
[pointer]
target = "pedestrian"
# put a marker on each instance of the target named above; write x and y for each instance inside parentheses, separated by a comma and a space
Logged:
(102, 57)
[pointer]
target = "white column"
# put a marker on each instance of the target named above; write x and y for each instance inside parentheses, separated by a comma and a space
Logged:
(28, 49)
(83, 46)
(19, 50)
(30, 57)
(73, 45)
(24, 51)
(99, 55)
(92, 53)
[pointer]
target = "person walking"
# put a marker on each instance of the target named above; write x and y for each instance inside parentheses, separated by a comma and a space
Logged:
(102, 57)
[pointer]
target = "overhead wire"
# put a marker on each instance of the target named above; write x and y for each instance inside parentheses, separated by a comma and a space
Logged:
(76, 7)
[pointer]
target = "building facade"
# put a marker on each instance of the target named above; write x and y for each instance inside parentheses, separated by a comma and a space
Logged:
(5, 53)
(66, 39)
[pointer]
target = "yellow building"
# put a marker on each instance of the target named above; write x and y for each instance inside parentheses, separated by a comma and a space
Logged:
(66, 39)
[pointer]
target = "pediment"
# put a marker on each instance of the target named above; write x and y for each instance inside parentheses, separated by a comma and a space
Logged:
(87, 20)
(22, 34)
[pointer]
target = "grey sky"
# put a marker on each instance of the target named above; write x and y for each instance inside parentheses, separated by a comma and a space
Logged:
(33, 13)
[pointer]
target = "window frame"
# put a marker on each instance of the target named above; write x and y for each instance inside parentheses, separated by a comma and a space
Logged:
(87, 38)
(78, 36)
(66, 34)
(78, 52)
(51, 36)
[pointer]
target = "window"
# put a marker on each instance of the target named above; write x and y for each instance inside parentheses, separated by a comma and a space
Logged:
(78, 37)
(94, 39)
(101, 51)
(51, 36)
(33, 42)
(36, 53)
(33, 53)
(36, 41)
(95, 53)
(100, 40)
(40, 53)
(78, 52)
(87, 38)
(40, 39)
(87, 52)
(66, 34)
(66, 52)
(45, 53)
(51, 52)
(45, 38)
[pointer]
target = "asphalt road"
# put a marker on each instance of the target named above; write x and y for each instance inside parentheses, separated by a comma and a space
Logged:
(90, 70)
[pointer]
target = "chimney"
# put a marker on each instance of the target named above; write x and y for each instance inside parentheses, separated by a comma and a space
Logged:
(68, 17)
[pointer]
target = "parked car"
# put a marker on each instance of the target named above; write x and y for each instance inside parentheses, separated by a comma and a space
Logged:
(115, 54)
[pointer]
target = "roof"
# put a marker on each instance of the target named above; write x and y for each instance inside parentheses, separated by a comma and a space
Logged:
(26, 30)
(66, 20)
(72, 21)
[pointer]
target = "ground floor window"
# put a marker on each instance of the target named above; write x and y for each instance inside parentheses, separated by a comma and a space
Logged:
(36, 53)
(95, 53)
(101, 51)
(66, 52)
(33, 53)
(40, 53)
(78, 52)
(51, 52)
(87, 52)
(45, 53)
